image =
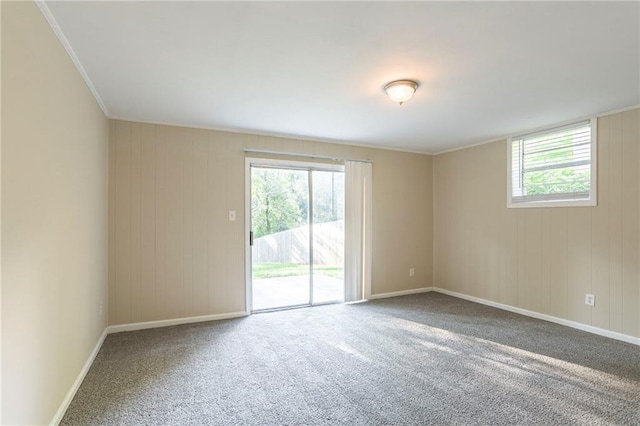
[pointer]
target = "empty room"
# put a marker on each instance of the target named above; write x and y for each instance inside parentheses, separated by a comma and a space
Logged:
(319, 213)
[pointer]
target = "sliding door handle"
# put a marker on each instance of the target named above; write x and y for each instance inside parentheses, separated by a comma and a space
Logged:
(251, 238)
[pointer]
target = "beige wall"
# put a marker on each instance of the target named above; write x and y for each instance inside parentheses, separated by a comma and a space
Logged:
(544, 259)
(173, 252)
(54, 205)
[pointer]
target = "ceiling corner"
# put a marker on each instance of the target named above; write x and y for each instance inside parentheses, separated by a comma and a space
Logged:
(42, 5)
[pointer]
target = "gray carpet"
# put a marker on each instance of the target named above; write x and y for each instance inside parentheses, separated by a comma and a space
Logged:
(421, 359)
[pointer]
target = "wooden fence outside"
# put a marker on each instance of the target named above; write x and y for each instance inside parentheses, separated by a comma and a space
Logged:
(292, 246)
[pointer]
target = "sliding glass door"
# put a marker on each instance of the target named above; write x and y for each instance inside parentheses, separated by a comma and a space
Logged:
(280, 234)
(328, 236)
(297, 235)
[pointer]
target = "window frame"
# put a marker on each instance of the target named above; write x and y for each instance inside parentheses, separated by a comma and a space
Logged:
(561, 202)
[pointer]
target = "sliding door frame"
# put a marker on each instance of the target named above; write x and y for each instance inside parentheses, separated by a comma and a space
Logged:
(276, 164)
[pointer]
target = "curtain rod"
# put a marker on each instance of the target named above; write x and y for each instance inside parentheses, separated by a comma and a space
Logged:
(295, 154)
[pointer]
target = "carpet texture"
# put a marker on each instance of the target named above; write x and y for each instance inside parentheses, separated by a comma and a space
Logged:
(420, 359)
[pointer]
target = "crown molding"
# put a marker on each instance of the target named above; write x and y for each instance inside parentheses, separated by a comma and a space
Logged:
(42, 5)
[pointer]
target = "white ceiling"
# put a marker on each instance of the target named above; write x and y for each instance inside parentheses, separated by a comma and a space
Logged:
(316, 70)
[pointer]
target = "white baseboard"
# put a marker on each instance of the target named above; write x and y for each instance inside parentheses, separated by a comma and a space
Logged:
(401, 293)
(57, 418)
(167, 323)
(561, 321)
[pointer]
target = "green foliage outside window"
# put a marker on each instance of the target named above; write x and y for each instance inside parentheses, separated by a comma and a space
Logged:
(565, 178)
(280, 199)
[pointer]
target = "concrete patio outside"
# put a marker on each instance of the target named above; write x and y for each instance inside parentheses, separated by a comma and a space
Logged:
(278, 292)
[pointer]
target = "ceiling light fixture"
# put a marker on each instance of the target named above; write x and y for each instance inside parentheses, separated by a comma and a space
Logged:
(401, 90)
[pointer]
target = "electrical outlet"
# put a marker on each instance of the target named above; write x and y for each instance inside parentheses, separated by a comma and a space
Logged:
(411, 272)
(232, 215)
(590, 299)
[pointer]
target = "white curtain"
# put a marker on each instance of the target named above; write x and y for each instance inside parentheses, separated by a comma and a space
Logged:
(358, 230)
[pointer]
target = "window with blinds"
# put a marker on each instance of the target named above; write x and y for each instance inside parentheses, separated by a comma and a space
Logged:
(556, 167)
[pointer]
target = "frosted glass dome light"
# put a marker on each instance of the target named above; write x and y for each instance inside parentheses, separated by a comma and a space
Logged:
(401, 90)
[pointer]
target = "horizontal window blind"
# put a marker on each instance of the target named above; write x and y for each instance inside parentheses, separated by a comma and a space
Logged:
(552, 165)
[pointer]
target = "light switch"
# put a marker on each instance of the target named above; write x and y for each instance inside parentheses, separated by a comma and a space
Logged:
(232, 215)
